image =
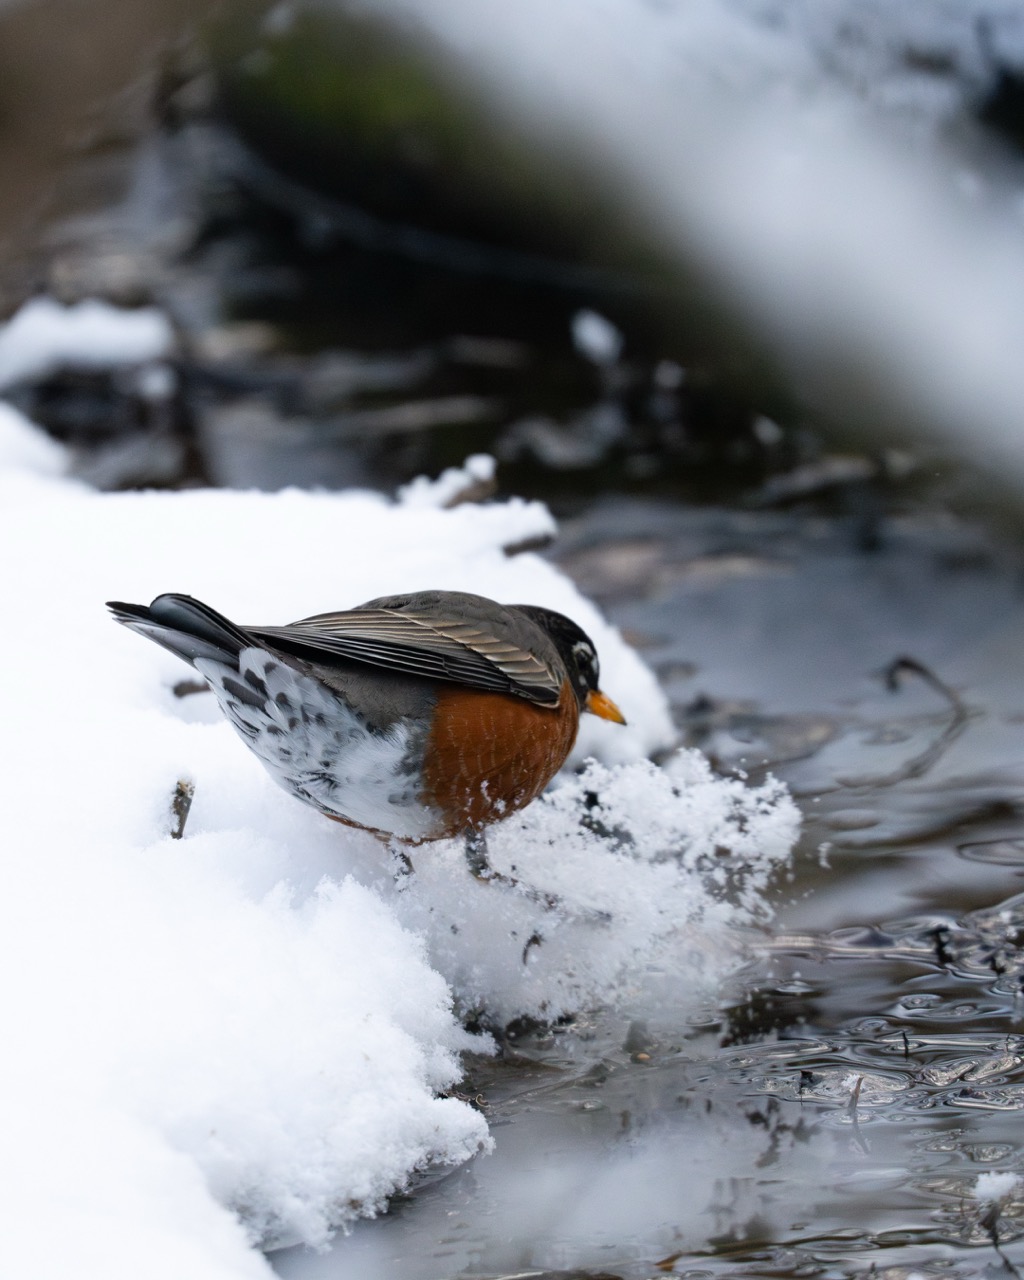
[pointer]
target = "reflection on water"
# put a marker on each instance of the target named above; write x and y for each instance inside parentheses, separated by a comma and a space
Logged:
(834, 1112)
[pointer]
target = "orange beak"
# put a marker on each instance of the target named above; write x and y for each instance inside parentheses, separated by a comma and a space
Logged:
(599, 704)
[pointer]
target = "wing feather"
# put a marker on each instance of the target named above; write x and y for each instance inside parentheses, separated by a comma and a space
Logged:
(422, 645)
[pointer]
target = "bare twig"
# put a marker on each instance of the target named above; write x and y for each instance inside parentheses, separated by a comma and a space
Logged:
(851, 1111)
(186, 688)
(990, 1221)
(181, 803)
(919, 765)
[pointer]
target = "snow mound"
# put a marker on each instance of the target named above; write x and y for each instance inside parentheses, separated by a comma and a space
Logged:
(25, 448)
(635, 865)
(44, 336)
(249, 1035)
(451, 485)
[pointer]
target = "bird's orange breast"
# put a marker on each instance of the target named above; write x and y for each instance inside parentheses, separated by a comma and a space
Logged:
(489, 754)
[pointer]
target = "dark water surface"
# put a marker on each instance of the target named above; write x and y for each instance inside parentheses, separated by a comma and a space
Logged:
(833, 1113)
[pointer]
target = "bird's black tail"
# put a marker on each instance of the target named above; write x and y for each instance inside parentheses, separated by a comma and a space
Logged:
(186, 626)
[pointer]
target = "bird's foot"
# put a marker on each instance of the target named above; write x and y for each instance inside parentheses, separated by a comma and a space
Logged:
(402, 868)
(481, 869)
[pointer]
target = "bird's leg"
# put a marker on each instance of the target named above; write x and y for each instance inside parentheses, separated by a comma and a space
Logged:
(476, 855)
(481, 869)
(181, 803)
(403, 863)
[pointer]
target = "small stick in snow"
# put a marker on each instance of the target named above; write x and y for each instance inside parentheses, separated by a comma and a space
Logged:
(181, 803)
(186, 688)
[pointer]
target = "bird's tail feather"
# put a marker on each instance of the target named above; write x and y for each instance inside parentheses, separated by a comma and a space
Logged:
(184, 625)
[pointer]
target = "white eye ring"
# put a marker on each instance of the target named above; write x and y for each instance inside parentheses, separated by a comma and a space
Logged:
(586, 663)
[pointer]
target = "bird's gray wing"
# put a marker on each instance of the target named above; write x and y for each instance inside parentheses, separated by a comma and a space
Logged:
(423, 644)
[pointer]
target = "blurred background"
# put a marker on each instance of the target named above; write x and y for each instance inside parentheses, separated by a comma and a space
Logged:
(737, 286)
(675, 248)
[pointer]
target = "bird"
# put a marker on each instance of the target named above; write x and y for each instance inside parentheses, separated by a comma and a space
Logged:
(418, 717)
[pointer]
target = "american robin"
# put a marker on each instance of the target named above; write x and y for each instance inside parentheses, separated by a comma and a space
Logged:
(417, 716)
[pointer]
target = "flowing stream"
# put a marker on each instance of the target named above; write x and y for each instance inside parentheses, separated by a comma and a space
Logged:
(834, 1110)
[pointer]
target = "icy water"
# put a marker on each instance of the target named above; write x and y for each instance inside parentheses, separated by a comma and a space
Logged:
(834, 1111)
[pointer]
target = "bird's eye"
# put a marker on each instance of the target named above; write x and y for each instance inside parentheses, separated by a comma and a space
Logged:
(586, 663)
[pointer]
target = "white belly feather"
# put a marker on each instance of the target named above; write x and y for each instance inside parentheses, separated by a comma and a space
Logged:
(316, 747)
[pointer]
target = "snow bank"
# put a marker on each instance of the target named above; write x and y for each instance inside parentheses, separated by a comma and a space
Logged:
(24, 446)
(245, 1036)
(651, 864)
